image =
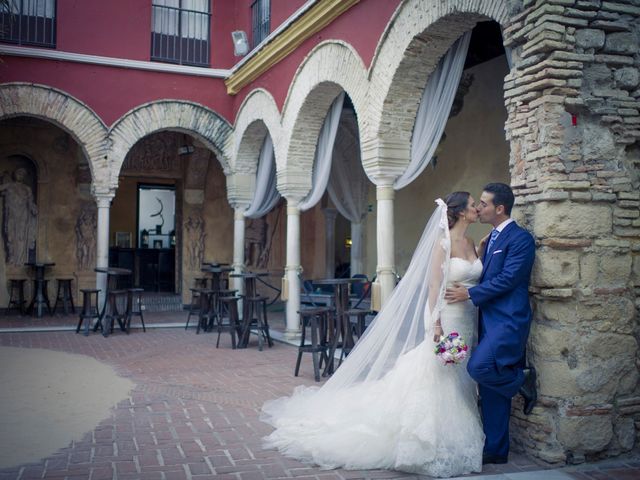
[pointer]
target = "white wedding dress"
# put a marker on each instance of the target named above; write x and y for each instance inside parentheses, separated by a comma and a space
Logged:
(420, 417)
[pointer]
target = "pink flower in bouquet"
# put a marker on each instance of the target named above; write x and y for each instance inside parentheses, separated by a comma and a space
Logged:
(451, 349)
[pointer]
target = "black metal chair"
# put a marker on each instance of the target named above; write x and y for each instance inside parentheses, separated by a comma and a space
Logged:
(228, 306)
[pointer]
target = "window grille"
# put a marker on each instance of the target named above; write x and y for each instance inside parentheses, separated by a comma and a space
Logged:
(260, 21)
(180, 31)
(28, 22)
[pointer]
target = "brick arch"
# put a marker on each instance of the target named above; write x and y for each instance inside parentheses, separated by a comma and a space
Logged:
(422, 32)
(257, 116)
(64, 111)
(329, 69)
(175, 115)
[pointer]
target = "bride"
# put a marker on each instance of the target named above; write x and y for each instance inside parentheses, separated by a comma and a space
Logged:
(392, 404)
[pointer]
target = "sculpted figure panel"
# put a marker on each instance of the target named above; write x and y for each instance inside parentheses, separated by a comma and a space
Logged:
(20, 217)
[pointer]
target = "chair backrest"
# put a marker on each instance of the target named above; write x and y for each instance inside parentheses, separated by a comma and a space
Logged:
(359, 288)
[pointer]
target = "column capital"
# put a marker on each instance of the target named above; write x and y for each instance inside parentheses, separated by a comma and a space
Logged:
(241, 188)
(103, 198)
(384, 160)
(385, 192)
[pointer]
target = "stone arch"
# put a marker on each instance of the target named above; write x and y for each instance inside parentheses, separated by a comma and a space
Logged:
(257, 116)
(176, 115)
(64, 111)
(330, 68)
(423, 32)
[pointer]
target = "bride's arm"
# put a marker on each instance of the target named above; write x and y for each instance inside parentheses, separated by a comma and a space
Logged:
(436, 278)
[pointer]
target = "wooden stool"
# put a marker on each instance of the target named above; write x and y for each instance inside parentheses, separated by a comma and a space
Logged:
(90, 309)
(16, 295)
(111, 313)
(229, 304)
(316, 320)
(194, 306)
(64, 295)
(205, 309)
(359, 326)
(134, 306)
(258, 308)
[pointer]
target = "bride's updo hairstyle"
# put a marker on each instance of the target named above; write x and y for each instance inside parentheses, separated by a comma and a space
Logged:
(456, 204)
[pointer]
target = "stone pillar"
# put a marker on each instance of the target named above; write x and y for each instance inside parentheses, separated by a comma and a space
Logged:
(238, 247)
(357, 248)
(575, 140)
(385, 241)
(102, 241)
(330, 241)
(293, 269)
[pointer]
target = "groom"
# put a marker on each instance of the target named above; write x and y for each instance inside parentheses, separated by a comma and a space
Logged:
(497, 364)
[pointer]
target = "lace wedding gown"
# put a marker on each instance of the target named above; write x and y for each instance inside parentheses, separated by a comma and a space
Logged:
(420, 417)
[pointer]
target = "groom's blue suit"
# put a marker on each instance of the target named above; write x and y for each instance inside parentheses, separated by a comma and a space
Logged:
(505, 316)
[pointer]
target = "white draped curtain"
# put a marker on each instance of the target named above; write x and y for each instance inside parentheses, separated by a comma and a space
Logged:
(434, 109)
(324, 154)
(266, 195)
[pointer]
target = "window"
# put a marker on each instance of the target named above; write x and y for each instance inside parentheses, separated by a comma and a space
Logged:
(28, 22)
(180, 31)
(260, 20)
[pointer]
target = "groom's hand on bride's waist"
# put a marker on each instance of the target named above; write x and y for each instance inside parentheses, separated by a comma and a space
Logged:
(456, 293)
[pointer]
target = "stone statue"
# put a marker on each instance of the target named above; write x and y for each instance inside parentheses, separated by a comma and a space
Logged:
(19, 228)
(195, 235)
(86, 231)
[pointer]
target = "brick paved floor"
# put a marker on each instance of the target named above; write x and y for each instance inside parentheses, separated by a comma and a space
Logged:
(194, 413)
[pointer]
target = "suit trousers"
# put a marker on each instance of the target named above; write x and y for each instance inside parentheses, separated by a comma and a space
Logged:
(497, 387)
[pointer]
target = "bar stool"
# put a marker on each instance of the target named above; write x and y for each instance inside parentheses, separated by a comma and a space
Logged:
(316, 320)
(90, 309)
(134, 307)
(257, 306)
(16, 295)
(201, 282)
(205, 309)
(64, 295)
(360, 323)
(194, 306)
(111, 312)
(229, 304)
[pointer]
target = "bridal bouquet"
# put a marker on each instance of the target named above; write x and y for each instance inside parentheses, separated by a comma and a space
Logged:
(451, 349)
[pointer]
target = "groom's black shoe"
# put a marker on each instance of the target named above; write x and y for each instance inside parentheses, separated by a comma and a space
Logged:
(528, 390)
(488, 458)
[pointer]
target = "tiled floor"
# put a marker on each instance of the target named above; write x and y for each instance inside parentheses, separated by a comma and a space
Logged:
(194, 413)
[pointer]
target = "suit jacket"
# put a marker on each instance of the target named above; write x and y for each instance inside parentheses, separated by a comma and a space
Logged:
(503, 294)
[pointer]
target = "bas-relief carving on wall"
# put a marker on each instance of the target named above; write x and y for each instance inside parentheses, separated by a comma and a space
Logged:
(195, 236)
(20, 217)
(258, 239)
(86, 228)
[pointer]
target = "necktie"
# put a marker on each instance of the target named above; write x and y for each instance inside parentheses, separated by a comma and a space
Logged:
(494, 235)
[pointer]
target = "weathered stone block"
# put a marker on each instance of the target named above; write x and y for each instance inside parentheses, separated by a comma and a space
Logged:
(625, 433)
(567, 219)
(625, 43)
(555, 268)
(590, 38)
(627, 78)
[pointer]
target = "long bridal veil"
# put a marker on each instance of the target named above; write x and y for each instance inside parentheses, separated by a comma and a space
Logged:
(405, 321)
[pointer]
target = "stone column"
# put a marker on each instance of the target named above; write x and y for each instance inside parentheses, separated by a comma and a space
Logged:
(238, 246)
(357, 248)
(102, 241)
(385, 241)
(293, 268)
(330, 241)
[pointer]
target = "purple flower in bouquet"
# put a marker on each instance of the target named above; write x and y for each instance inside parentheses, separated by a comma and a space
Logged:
(451, 349)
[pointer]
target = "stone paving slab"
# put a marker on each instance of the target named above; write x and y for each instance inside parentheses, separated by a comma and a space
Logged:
(194, 414)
